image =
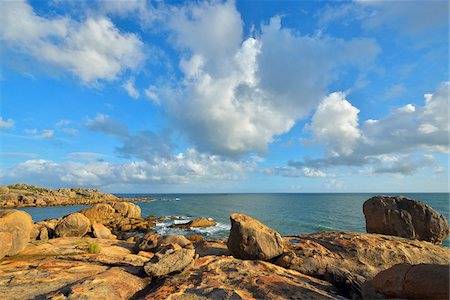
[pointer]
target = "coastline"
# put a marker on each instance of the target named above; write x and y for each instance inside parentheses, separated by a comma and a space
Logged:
(109, 250)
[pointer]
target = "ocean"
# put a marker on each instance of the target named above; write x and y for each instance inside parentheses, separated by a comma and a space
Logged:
(287, 213)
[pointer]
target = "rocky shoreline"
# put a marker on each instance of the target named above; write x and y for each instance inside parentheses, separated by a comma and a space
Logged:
(24, 195)
(109, 251)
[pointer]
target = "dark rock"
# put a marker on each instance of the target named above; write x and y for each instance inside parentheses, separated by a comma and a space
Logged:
(406, 218)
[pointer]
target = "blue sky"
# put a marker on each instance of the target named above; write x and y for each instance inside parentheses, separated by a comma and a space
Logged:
(234, 96)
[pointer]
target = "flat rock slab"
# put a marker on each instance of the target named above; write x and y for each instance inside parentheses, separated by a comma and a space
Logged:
(230, 278)
(63, 266)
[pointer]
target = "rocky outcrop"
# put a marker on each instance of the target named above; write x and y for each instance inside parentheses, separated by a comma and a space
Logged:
(424, 281)
(250, 239)
(349, 259)
(16, 227)
(405, 217)
(73, 225)
(63, 268)
(6, 241)
(24, 195)
(213, 277)
(196, 223)
(154, 242)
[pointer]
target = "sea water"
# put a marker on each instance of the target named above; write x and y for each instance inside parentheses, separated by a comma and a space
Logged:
(289, 214)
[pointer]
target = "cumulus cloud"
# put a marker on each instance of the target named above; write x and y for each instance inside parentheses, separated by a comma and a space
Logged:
(81, 47)
(184, 168)
(335, 123)
(386, 145)
(290, 171)
(6, 124)
(131, 89)
(239, 93)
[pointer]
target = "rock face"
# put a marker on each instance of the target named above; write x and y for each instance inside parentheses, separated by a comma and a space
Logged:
(349, 259)
(424, 281)
(214, 277)
(250, 239)
(174, 260)
(19, 225)
(405, 217)
(73, 225)
(5, 243)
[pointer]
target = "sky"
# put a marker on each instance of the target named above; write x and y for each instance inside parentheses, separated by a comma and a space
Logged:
(225, 96)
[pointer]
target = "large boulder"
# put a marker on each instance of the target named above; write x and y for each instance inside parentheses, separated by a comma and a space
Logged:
(424, 281)
(99, 213)
(73, 225)
(169, 262)
(250, 239)
(400, 216)
(127, 209)
(19, 224)
(349, 259)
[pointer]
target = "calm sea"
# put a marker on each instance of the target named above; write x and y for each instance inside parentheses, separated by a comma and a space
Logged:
(287, 213)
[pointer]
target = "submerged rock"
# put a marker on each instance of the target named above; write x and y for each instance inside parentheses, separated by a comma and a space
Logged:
(196, 223)
(250, 239)
(405, 217)
(73, 225)
(19, 225)
(423, 281)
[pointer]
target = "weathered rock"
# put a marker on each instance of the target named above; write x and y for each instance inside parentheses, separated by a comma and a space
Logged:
(423, 281)
(250, 239)
(175, 239)
(19, 224)
(196, 223)
(195, 238)
(148, 242)
(6, 239)
(100, 231)
(99, 213)
(127, 209)
(73, 225)
(405, 217)
(114, 283)
(169, 262)
(4, 189)
(349, 259)
(230, 278)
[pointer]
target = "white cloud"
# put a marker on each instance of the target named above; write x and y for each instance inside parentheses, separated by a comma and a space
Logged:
(131, 89)
(184, 168)
(387, 145)
(395, 91)
(70, 131)
(81, 47)
(62, 123)
(42, 134)
(152, 94)
(6, 124)
(335, 123)
(239, 94)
